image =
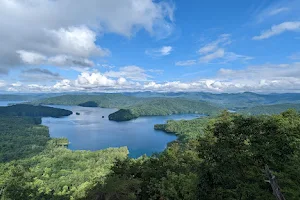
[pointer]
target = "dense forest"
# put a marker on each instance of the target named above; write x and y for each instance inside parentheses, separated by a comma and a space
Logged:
(21, 134)
(21, 137)
(226, 161)
(270, 109)
(233, 101)
(33, 111)
(164, 106)
(34, 166)
(57, 173)
(220, 157)
(102, 100)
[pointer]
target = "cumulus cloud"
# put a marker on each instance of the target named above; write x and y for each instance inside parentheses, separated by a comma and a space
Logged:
(278, 29)
(262, 78)
(186, 63)
(94, 81)
(37, 74)
(35, 29)
(75, 41)
(163, 51)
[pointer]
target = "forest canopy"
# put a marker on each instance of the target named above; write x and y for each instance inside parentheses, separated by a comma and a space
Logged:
(220, 157)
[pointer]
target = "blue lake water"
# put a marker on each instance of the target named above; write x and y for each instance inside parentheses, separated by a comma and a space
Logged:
(89, 131)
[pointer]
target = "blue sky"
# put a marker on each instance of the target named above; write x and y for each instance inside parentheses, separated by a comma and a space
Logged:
(141, 45)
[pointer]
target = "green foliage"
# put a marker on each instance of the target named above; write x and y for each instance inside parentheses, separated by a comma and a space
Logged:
(269, 109)
(122, 115)
(237, 151)
(226, 161)
(134, 106)
(33, 111)
(103, 100)
(214, 158)
(233, 101)
(57, 173)
(164, 106)
(170, 175)
(21, 137)
(186, 129)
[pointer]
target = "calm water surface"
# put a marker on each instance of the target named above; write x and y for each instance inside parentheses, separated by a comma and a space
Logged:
(89, 131)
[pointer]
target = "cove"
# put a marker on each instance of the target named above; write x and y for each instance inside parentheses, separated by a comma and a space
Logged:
(88, 130)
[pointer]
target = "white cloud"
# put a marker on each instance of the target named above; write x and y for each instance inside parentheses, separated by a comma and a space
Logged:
(208, 48)
(222, 41)
(277, 11)
(231, 56)
(64, 60)
(262, 78)
(87, 79)
(163, 51)
(31, 58)
(76, 41)
(215, 51)
(166, 50)
(186, 63)
(278, 29)
(219, 53)
(132, 72)
(54, 28)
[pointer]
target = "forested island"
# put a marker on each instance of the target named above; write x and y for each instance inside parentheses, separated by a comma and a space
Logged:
(91, 104)
(33, 111)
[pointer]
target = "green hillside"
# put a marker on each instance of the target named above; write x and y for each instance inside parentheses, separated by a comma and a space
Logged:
(102, 100)
(164, 106)
(269, 109)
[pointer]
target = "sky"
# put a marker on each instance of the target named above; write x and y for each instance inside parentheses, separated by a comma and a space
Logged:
(150, 45)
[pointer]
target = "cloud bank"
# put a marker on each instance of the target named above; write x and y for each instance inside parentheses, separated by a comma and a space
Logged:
(63, 33)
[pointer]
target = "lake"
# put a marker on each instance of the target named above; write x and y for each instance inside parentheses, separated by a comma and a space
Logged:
(89, 131)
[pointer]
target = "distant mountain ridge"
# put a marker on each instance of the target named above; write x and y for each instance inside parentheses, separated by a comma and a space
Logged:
(152, 103)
